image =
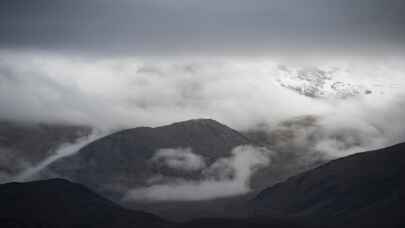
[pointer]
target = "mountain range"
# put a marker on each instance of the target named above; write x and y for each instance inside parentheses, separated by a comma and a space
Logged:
(362, 190)
(143, 158)
(131, 168)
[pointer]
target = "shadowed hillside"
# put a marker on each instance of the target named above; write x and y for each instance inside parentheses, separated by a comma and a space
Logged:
(60, 203)
(361, 190)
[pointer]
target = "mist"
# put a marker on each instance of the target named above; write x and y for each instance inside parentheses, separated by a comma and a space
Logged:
(179, 159)
(64, 150)
(225, 177)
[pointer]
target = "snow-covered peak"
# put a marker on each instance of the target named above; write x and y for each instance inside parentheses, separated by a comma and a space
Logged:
(334, 82)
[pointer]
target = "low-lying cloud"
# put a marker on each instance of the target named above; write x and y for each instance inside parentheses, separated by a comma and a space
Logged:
(179, 159)
(223, 178)
(64, 150)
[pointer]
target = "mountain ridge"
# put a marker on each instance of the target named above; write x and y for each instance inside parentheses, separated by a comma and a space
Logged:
(362, 189)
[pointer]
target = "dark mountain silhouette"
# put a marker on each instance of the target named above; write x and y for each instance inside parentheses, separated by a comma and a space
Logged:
(233, 207)
(122, 159)
(340, 191)
(244, 223)
(361, 190)
(60, 203)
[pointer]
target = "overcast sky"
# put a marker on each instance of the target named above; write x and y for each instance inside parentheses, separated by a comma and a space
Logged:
(236, 27)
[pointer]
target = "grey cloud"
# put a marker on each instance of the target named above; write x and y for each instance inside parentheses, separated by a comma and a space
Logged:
(10, 164)
(116, 93)
(225, 26)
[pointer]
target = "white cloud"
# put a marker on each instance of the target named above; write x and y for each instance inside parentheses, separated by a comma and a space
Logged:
(64, 150)
(116, 93)
(225, 177)
(179, 159)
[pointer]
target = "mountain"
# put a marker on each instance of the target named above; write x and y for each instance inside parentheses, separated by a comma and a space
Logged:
(361, 190)
(61, 203)
(331, 82)
(23, 145)
(124, 159)
(186, 154)
(200, 149)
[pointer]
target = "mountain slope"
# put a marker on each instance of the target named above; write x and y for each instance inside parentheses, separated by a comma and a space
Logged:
(361, 190)
(60, 203)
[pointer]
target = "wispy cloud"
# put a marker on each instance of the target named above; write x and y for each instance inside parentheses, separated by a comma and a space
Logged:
(64, 150)
(225, 177)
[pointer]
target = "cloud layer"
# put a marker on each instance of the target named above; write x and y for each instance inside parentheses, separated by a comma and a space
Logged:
(244, 93)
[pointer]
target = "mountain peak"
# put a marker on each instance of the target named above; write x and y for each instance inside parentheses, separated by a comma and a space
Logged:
(128, 154)
(202, 122)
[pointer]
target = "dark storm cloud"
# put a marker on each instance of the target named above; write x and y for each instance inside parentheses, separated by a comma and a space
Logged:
(160, 26)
